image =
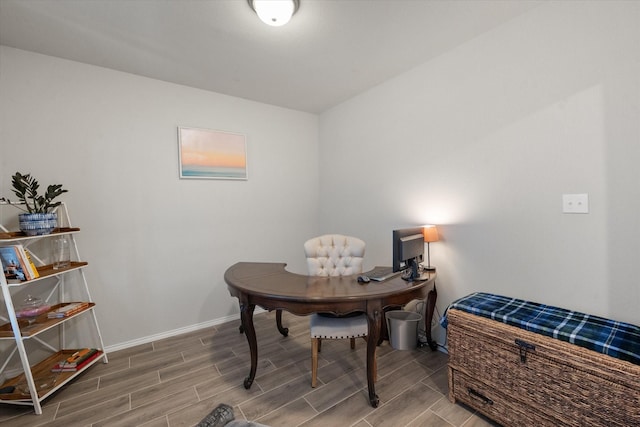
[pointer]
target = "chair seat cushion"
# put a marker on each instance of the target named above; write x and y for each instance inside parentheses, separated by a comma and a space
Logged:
(338, 327)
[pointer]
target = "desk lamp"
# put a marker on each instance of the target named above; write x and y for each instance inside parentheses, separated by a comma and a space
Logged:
(430, 233)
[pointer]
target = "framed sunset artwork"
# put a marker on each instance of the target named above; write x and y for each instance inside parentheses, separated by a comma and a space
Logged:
(212, 154)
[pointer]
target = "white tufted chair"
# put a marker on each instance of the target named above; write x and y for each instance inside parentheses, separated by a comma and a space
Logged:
(334, 255)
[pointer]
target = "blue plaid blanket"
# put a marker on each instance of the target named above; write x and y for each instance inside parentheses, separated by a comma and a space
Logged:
(616, 339)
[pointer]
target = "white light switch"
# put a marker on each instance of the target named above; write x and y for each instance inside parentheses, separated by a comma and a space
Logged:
(575, 203)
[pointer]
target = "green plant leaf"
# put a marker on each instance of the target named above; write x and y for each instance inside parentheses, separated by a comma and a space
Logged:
(25, 187)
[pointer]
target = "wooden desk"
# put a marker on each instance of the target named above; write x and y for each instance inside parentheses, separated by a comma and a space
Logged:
(270, 286)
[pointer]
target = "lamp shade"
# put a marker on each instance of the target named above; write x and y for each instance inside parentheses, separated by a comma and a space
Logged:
(430, 233)
(275, 12)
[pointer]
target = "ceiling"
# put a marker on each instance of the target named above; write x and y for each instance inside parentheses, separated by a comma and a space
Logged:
(331, 50)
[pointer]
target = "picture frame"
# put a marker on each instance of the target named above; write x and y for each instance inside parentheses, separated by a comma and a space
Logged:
(212, 154)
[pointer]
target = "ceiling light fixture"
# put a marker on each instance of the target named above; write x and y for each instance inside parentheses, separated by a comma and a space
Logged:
(275, 12)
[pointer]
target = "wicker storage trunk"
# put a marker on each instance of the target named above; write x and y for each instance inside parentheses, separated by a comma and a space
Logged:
(521, 378)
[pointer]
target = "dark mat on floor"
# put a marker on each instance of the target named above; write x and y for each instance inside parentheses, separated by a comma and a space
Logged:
(223, 415)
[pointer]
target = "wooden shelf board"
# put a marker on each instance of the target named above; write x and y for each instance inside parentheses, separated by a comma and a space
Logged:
(48, 271)
(41, 324)
(19, 235)
(45, 380)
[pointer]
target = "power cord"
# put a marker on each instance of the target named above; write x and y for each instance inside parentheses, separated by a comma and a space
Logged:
(422, 334)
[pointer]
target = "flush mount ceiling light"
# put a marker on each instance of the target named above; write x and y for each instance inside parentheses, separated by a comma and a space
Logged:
(275, 12)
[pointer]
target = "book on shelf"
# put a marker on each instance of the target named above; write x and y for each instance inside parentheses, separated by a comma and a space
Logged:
(67, 310)
(22, 257)
(77, 360)
(30, 270)
(31, 264)
(11, 266)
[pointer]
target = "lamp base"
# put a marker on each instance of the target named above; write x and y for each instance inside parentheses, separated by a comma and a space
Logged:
(428, 268)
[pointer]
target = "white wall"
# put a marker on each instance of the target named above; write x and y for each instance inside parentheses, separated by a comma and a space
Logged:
(158, 246)
(484, 140)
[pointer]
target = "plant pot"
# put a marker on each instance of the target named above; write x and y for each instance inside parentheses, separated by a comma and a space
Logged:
(37, 224)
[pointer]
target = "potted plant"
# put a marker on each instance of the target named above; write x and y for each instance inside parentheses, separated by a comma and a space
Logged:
(38, 217)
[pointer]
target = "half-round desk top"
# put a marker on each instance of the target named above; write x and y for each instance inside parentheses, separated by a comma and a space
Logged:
(273, 281)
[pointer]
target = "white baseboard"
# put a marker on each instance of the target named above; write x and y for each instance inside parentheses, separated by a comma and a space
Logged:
(172, 333)
(10, 373)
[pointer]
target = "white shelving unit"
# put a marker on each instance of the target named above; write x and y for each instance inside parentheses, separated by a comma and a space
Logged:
(37, 379)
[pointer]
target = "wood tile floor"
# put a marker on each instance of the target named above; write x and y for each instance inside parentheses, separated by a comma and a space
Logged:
(179, 380)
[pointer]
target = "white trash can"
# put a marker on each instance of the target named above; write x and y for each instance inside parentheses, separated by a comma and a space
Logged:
(403, 329)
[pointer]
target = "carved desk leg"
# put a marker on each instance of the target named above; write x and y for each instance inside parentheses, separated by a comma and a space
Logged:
(246, 314)
(284, 331)
(374, 318)
(431, 304)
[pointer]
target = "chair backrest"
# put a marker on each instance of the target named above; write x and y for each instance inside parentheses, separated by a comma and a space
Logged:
(334, 255)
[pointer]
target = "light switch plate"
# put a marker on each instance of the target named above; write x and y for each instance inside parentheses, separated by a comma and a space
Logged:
(575, 203)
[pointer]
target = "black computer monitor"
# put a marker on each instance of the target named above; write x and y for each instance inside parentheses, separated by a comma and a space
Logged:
(408, 252)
